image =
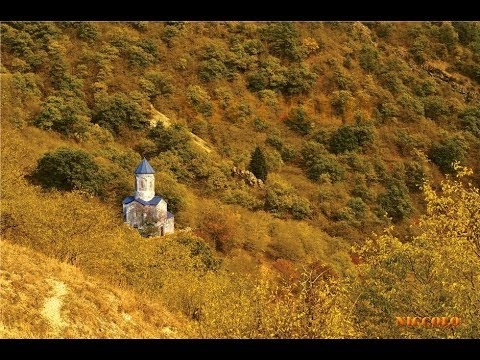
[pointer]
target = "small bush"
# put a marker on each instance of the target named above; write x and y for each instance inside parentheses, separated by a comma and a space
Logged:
(299, 121)
(317, 162)
(212, 69)
(270, 75)
(446, 152)
(87, 31)
(282, 40)
(470, 121)
(281, 199)
(411, 109)
(368, 58)
(299, 80)
(415, 175)
(358, 206)
(138, 57)
(395, 201)
(200, 100)
(67, 116)
(243, 198)
(436, 108)
(340, 101)
(113, 112)
(350, 138)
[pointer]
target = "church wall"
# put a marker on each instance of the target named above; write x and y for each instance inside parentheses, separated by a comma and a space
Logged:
(162, 209)
(169, 226)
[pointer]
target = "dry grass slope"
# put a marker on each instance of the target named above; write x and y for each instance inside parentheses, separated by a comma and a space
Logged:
(43, 298)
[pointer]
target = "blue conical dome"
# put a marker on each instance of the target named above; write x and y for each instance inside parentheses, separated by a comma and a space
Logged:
(144, 168)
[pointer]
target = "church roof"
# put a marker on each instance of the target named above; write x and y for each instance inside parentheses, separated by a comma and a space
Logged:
(154, 201)
(144, 168)
(128, 200)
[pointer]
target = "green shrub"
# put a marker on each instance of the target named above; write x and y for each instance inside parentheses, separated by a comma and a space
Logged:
(317, 162)
(299, 80)
(383, 29)
(282, 40)
(17, 42)
(395, 201)
(321, 136)
(170, 32)
(269, 98)
(281, 199)
(468, 31)
(149, 47)
(259, 124)
(299, 121)
(174, 137)
(114, 111)
(212, 69)
(199, 248)
(446, 152)
(340, 101)
(138, 57)
(415, 175)
(361, 191)
(411, 109)
(343, 80)
(288, 153)
(368, 58)
(70, 169)
(391, 81)
(67, 116)
(350, 138)
(471, 69)
(162, 83)
(436, 108)
(407, 143)
(425, 87)
(146, 148)
(243, 198)
(470, 121)
(200, 100)
(271, 74)
(358, 206)
(447, 35)
(275, 141)
(419, 48)
(87, 31)
(239, 113)
(174, 193)
(300, 208)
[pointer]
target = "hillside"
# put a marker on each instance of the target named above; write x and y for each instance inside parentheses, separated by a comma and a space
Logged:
(354, 121)
(43, 298)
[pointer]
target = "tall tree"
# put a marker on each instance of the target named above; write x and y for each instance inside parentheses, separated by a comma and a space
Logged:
(258, 164)
(434, 274)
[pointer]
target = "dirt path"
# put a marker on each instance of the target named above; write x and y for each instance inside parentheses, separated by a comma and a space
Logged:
(53, 305)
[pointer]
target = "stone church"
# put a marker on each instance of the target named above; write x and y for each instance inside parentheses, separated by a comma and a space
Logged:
(145, 211)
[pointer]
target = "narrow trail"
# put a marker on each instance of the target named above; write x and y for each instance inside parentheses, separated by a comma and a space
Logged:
(53, 305)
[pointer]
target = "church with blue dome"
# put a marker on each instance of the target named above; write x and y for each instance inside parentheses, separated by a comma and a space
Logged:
(144, 210)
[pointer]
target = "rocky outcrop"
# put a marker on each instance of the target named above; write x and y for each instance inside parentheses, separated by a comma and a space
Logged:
(468, 92)
(247, 176)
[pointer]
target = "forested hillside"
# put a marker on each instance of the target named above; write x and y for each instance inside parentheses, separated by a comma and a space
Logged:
(345, 122)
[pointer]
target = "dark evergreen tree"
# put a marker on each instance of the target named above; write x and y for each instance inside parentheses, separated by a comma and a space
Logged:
(258, 164)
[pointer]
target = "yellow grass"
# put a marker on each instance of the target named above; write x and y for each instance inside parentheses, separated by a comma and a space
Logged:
(43, 298)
